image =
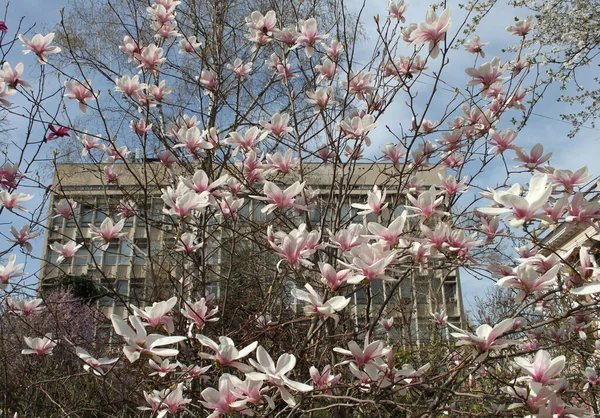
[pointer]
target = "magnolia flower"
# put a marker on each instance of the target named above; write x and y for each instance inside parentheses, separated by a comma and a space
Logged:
(186, 243)
(387, 323)
(162, 369)
(39, 346)
(240, 69)
(363, 357)
(56, 132)
(485, 337)
(309, 36)
(276, 374)
(9, 271)
(439, 318)
(23, 236)
(65, 208)
(156, 315)
(66, 251)
(189, 45)
(332, 278)
(278, 125)
(225, 400)
(80, 92)
(140, 343)
(226, 354)
(107, 231)
(397, 9)
(11, 77)
(168, 400)
(426, 204)
(24, 307)
(487, 74)
(521, 209)
(39, 45)
(528, 280)
(592, 378)
(317, 306)
(533, 160)
(96, 366)
(522, 27)
(11, 200)
(433, 30)
(281, 198)
(374, 203)
(543, 369)
(475, 46)
(199, 313)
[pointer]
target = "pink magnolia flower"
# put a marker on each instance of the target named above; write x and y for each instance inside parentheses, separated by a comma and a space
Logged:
(11, 77)
(309, 36)
(582, 211)
(487, 74)
(282, 163)
(325, 379)
(432, 31)
(278, 125)
(370, 261)
(450, 186)
(475, 46)
(189, 45)
(390, 235)
(397, 9)
(332, 278)
(82, 92)
(230, 205)
(65, 208)
(281, 198)
(265, 24)
(363, 357)
(140, 343)
(193, 140)
(225, 400)
(107, 231)
(528, 280)
(439, 318)
(226, 354)
(357, 127)
(97, 366)
(425, 205)
(23, 236)
(66, 251)
(208, 79)
(201, 183)
(296, 246)
(199, 313)
(592, 378)
(276, 374)
(345, 239)
(374, 203)
(543, 369)
(394, 153)
(186, 243)
(247, 142)
(9, 271)
(163, 368)
(321, 98)
(3, 27)
(23, 306)
(240, 69)
(130, 47)
(316, 306)
(12, 201)
(9, 175)
(182, 201)
(58, 132)
(40, 46)
(522, 27)
(130, 86)
(39, 346)
(568, 179)
(387, 323)
(502, 140)
(533, 160)
(157, 314)
(6, 91)
(485, 337)
(521, 209)
(151, 58)
(358, 84)
(89, 143)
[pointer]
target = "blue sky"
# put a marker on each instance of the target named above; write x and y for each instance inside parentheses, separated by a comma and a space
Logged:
(545, 127)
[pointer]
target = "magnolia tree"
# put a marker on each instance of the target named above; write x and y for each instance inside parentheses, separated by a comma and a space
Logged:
(228, 123)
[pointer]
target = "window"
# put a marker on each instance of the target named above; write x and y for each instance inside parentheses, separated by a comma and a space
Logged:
(125, 252)
(377, 293)
(361, 296)
(157, 211)
(139, 252)
(136, 291)
(97, 254)
(111, 253)
(100, 215)
(450, 291)
(405, 288)
(87, 215)
(81, 256)
(123, 292)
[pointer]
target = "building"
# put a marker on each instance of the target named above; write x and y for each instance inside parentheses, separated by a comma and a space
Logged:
(144, 267)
